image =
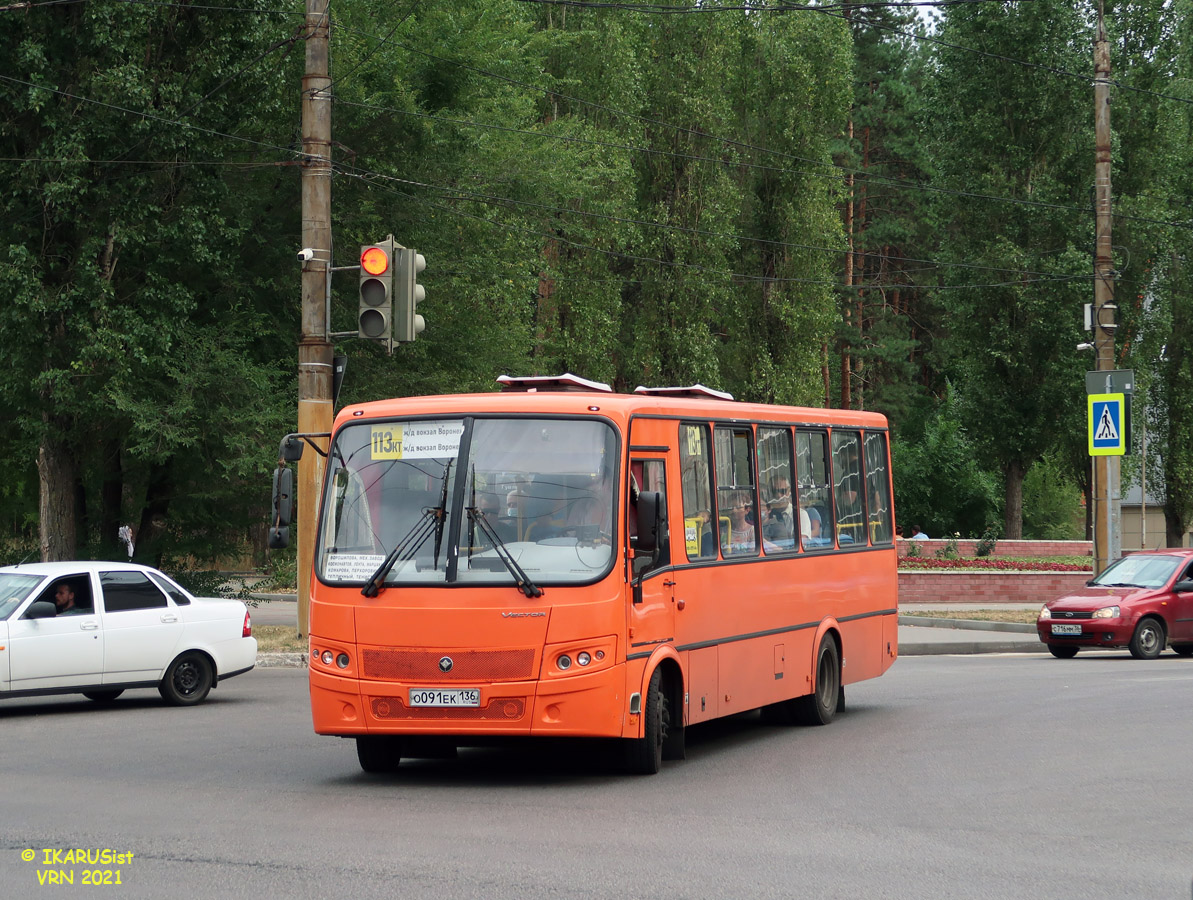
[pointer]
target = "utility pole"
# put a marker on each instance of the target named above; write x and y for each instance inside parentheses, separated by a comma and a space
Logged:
(1107, 543)
(314, 347)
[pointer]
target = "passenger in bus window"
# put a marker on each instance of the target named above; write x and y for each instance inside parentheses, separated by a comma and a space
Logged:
(778, 524)
(487, 504)
(809, 529)
(741, 529)
(591, 517)
(708, 546)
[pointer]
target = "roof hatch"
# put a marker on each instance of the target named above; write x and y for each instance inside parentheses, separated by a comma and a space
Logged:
(695, 390)
(551, 383)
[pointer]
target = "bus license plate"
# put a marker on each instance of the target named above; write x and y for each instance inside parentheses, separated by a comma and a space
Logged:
(450, 697)
(1066, 629)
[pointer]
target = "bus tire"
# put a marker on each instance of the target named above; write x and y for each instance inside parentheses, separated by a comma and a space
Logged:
(644, 755)
(820, 706)
(378, 754)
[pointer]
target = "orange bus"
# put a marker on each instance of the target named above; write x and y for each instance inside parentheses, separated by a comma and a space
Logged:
(556, 559)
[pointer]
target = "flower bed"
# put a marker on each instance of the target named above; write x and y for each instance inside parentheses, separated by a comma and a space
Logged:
(986, 562)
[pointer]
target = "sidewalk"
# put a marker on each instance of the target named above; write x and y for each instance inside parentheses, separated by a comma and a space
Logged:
(918, 635)
(926, 636)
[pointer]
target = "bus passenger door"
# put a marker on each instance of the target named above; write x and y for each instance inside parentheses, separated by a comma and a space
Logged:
(652, 611)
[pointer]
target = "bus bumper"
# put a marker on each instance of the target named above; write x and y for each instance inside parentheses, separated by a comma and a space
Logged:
(588, 705)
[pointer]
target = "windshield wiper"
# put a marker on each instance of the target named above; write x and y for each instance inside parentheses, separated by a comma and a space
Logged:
(525, 585)
(427, 524)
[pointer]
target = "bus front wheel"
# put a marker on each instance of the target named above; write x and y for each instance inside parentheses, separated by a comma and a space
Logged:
(644, 755)
(378, 754)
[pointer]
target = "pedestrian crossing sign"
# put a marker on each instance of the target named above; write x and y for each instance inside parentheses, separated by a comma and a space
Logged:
(1107, 428)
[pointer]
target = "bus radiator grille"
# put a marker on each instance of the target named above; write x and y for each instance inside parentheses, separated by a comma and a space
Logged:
(423, 666)
(496, 708)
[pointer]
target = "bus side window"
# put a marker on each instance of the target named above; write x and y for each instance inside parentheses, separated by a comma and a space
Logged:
(736, 499)
(847, 488)
(878, 488)
(650, 475)
(782, 522)
(695, 459)
(814, 493)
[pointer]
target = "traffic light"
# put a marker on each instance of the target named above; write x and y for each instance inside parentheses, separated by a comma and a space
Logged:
(375, 315)
(408, 293)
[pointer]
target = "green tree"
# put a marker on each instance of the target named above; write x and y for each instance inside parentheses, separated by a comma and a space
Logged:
(886, 348)
(939, 484)
(1023, 133)
(132, 262)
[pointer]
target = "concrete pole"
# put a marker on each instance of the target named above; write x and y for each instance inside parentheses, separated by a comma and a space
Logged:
(1107, 541)
(314, 349)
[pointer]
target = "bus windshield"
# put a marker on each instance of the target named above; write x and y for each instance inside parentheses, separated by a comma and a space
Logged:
(422, 491)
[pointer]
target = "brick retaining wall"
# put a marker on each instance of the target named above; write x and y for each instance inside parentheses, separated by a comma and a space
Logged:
(987, 587)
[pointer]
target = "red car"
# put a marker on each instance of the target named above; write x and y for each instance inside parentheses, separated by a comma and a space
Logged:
(1143, 602)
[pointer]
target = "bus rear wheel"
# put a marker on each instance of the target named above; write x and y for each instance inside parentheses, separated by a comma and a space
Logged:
(820, 707)
(378, 754)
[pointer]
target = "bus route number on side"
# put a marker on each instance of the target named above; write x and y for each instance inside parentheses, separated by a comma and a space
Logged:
(386, 442)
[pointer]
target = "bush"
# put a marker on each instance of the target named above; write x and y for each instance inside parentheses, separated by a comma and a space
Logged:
(949, 550)
(985, 545)
(938, 483)
(209, 583)
(1051, 504)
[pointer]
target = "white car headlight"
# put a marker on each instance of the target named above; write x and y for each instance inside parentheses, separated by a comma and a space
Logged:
(1045, 613)
(1106, 612)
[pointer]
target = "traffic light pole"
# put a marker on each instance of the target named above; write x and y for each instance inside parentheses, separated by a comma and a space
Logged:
(1107, 541)
(315, 367)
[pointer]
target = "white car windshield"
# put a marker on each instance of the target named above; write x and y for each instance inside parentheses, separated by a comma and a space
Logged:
(454, 500)
(1139, 571)
(14, 588)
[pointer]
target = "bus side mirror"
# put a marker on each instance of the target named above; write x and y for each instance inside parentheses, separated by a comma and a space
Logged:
(283, 492)
(279, 537)
(650, 521)
(291, 448)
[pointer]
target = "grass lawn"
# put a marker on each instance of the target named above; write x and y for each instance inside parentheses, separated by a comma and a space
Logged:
(279, 639)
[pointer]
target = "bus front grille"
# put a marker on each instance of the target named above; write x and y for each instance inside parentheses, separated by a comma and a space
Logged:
(432, 666)
(496, 708)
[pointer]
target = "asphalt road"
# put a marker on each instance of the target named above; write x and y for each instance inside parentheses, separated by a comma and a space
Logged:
(981, 776)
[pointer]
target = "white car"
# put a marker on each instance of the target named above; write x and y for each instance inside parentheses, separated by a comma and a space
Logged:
(99, 628)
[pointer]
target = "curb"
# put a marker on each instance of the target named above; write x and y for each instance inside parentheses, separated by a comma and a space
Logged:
(970, 648)
(281, 660)
(967, 624)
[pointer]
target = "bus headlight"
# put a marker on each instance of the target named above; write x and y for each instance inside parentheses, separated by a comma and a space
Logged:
(582, 656)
